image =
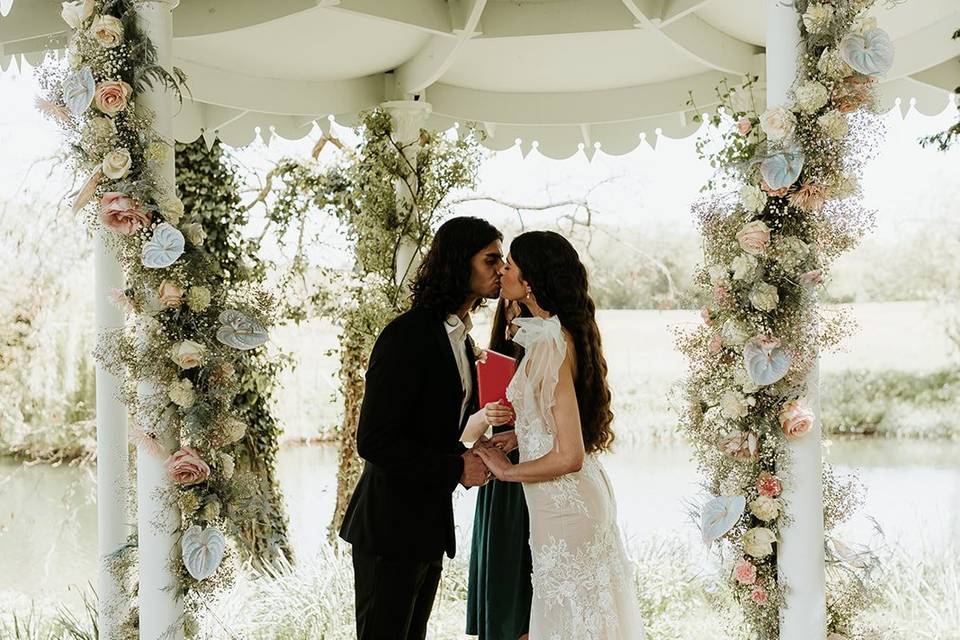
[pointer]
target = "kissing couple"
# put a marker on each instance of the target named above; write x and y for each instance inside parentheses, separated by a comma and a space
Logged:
(547, 559)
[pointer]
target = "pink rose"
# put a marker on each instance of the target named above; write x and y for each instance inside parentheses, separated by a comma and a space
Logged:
(721, 294)
(769, 485)
(754, 237)
(170, 294)
(759, 596)
(742, 445)
(795, 419)
(111, 97)
(186, 467)
(745, 572)
(707, 319)
(811, 277)
(744, 125)
(715, 344)
(120, 213)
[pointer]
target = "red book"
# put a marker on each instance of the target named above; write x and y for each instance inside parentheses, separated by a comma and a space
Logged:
(493, 376)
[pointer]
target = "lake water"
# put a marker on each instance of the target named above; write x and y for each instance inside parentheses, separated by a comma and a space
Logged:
(48, 515)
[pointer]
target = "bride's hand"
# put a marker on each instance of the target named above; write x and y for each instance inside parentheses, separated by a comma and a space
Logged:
(496, 461)
(506, 441)
(496, 414)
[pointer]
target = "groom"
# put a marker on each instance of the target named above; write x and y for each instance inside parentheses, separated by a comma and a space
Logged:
(420, 389)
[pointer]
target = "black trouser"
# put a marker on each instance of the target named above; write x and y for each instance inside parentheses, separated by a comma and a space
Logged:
(394, 597)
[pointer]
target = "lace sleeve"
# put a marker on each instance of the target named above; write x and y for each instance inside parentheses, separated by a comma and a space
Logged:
(545, 350)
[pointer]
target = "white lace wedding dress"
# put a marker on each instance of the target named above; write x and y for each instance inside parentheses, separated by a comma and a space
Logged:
(583, 586)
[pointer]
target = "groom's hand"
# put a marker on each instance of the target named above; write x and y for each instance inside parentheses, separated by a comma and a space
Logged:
(475, 472)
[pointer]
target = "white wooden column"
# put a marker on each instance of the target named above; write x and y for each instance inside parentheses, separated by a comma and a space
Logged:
(800, 557)
(408, 118)
(158, 519)
(113, 463)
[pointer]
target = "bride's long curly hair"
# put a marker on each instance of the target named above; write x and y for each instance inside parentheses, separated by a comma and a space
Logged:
(552, 268)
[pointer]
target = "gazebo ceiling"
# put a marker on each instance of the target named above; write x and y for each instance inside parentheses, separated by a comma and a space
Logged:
(559, 72)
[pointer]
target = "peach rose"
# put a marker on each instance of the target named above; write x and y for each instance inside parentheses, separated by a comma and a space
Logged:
(811, 277)
(186, 467)
(759, 596)
(715, 344)
(707, 318)
(121, 214)
(745, 571)
(744, 125)
(107, 30)
(170, 294)
(769, 485)
(754, 237)
(796, 419)
(187, 354)
(742, 445)
(111, 97)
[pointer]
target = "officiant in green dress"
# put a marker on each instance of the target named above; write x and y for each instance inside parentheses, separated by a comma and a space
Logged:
(499, 588)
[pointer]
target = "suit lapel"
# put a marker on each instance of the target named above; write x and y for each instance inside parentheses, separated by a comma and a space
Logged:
(448, 363)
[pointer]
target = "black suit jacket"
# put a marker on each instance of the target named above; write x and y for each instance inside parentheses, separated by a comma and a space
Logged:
(409, 439)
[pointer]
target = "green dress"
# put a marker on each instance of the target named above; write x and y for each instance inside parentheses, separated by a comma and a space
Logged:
(499, 588)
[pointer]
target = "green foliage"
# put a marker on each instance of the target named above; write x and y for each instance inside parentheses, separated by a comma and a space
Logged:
(891, 403)
(207, 183)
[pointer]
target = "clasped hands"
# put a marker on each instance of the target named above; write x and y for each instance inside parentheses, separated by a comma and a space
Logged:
(488, 456)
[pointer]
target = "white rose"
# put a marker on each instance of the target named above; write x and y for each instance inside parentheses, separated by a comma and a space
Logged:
(227, 464)
(742, 378)
(172, 210)
(733, 405)
(718, 274)
(790, 251)
(74, 13)
(182, 394)
(817, 17)
(116, 164)
(764, 297)
(198, 298)
(745, 267)
(211, 510)
(187, 354)
(107, 30)
(752, 198)
(733, 333)
(832, 64)
(834, 124)
(765, 508)
(194, 233)
(866, 24)
(811, 95)
(778, 123)
(758, 542)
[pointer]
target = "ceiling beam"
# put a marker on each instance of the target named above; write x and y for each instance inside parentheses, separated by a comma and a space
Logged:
(30, 20)
(673, 10)
(436, 56)
(574, 108)
(692, 36)
(274, 95)
(926, 47)
(945, 75)
(432, 16)
(509, 19)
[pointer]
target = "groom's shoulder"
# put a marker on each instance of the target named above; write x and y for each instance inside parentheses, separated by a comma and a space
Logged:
(409, 323)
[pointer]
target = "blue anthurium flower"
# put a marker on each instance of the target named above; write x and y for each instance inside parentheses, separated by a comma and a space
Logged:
(782, 169)
(78, 90)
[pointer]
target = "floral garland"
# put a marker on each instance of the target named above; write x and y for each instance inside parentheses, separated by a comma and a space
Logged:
(190, 333)
(767, 250)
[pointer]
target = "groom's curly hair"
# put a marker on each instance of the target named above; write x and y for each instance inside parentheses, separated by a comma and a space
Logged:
(442, 283)
(552, 267)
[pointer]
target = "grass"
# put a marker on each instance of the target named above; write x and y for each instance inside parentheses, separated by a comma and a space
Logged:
(63, 624)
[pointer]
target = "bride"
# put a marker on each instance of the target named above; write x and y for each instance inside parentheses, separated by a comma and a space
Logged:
(583, 583)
